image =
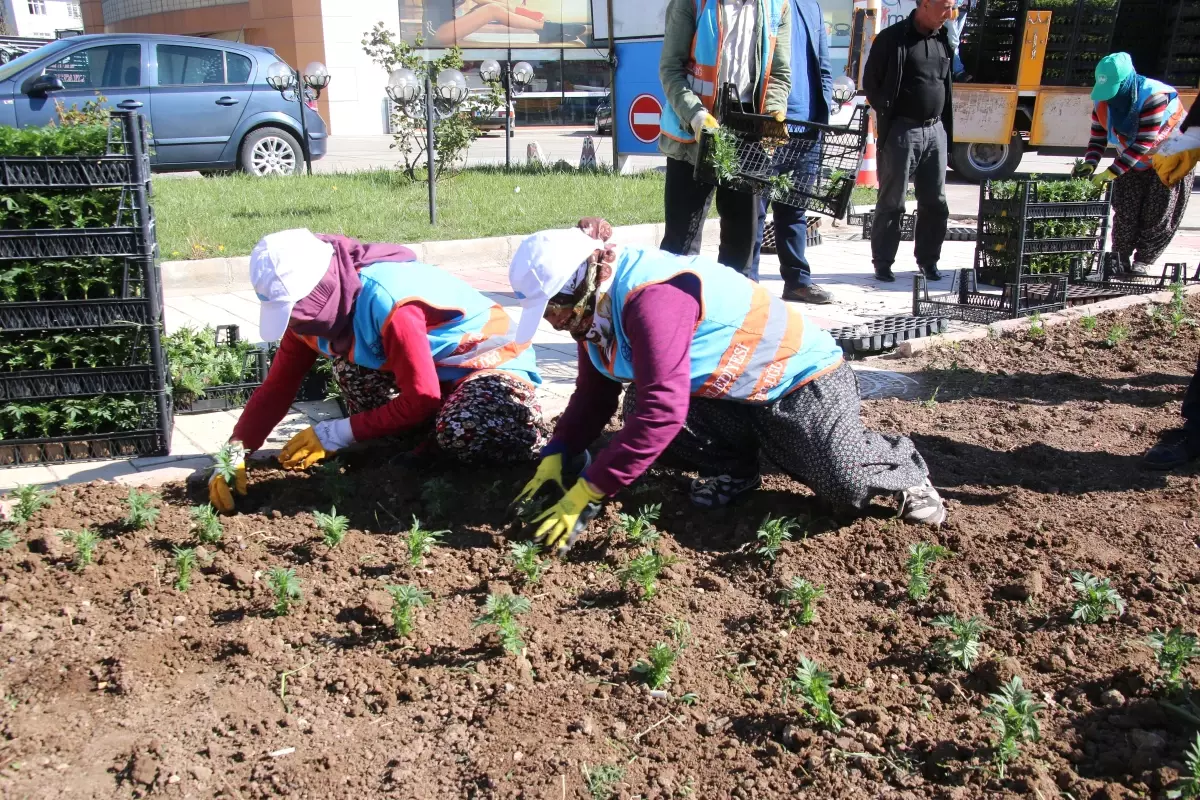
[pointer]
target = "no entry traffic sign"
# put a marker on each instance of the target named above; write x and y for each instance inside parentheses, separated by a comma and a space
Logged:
(645, 113)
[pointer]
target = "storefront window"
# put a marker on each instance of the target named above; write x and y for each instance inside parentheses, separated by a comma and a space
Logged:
(567, 84)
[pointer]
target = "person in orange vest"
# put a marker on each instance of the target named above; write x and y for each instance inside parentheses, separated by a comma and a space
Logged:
(1136, 115)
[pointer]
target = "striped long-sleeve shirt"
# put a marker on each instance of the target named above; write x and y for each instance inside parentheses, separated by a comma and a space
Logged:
(1136, 150)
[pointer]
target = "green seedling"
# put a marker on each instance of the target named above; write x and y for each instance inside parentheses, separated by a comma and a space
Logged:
(1116, 334)
(286, 588)
(420, 542)
(502, 611)
(1037, 328)
(801, 595)
(1188, 785)
(438, 496)
(206, 522)
(722, 155)
(602, 780)
(772, 533)
(30, 500)
(84, 542)
(1098, 600)
(782, 184)
(404, 600)
(962, 646)
(185, 562)
(922, 556)
(8, 539)
(333, 527)
(812, 685)
(141, 514)
(227, 460)
(1173, 650)
(640, 530)
(643, 571)
(656, 669)
(1088, 323)
(524, 558)
(1014, 715)
(932, 402)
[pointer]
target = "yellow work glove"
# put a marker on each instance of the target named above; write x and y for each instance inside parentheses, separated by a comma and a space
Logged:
(779, 116)
(1174, 168)
(710, 122)
(1083, 170)
(559, 526)
(1103, 177)
(549, 474)
(220, 493)
(315, 443)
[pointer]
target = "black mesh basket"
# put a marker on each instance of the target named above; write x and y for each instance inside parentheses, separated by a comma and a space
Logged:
(800, 163)
(1034, 294)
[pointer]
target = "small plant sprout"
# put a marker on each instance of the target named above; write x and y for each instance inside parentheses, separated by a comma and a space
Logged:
(1116, 334)
(643, 571)
(932, 402)
(84, 542)
(812, 685)
(656, 670)
(1188, 785)
(333, 527)
(438, 496)
(1014, 715)
(420, 542)
(286, 587)
(1088, 323)
(801, 595)
(30, 500)
(639, 529)
(1037, 328)
(141, 514)
(404, 600)
(962, 646)
(602, 780)
(1173, 650)
(206, 522)
(921, 556)
(227, 460)
(772, 533)
(502, 611)
(1098, 600)
(8, 539)
(524, 558)
(185, 562)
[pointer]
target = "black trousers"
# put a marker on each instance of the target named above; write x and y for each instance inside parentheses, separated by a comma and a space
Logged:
(687, 202)
(916, 151)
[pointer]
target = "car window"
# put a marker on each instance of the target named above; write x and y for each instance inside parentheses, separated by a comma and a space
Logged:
(33, 56)
(238, 68)
(179, 65)
(109, 66)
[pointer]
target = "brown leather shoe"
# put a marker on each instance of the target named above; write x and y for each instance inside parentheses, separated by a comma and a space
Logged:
(807, 294)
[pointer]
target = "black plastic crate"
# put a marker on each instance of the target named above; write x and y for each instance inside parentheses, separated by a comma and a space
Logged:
(908, 226)
(1081, 33)
(999, 269)
(81, 243)
(151, 438)
(1039, 294)
(885, 333)
(49, 384)
(69, 315)
(990, 43)
(770, 246)
(233, 395)
(120, 166)
(814, 168)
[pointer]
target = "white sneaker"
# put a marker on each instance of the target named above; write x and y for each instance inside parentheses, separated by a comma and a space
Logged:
(922, 505)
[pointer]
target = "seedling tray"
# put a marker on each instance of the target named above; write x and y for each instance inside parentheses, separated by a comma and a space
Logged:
(80, 243)
(908, 229)
(770, 246)
(68, 315)
(153, 438)
(123, 164)
(885, 333)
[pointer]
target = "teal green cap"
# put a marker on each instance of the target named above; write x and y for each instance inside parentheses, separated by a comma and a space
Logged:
(1111, 72)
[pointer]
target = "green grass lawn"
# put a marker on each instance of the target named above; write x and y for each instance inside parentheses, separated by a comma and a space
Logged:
(206, 217)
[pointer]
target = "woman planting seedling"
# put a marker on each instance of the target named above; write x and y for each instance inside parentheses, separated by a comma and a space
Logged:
(413, 349)
(724, 373)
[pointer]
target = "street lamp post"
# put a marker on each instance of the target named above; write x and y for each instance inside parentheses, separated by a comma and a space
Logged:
(515, 78)
(446, 93)
(283, 78)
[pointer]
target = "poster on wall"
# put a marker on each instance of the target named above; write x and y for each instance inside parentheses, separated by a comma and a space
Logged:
(497, 23)
(643, 19)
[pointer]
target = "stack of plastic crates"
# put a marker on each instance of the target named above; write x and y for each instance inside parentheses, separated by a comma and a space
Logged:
(223, 397)
(990, 43)
(1038, 294)
(1181, 65)
(82, 374)
(1030, 225)
(1081, 33)
(802, 164)
(1142, 27)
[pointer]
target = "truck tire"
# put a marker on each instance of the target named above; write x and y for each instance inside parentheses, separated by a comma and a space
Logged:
(271, 151)
(978, 162)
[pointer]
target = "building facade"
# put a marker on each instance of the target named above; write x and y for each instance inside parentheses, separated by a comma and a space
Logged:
(42, 19)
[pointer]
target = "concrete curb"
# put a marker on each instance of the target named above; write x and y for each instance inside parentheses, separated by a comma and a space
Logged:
(1066, 316)
(233, 274)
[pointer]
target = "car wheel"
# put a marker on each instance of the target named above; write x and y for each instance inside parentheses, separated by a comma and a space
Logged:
(271, 151)
(978, 162)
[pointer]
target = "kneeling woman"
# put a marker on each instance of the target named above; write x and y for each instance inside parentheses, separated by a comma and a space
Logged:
(411, 345)
(724, 373)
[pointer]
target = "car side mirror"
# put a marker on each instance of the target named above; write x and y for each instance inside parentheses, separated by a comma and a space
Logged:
(42, 85)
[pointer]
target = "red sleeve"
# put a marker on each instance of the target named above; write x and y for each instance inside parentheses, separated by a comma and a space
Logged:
(590, 408)
(270, 402)
(659, 323)
(408, 357)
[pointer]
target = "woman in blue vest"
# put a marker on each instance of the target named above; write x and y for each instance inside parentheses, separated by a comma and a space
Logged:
(413, 349)
(1136, 114)
(724, 373)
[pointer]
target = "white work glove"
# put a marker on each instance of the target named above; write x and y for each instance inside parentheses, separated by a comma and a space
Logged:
(1179, 141)
(335, 433)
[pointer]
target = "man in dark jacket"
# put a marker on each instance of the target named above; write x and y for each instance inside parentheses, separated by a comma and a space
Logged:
(907, 83)
(811, 98)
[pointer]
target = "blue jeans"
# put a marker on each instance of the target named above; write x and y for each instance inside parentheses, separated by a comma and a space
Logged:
(791, 237)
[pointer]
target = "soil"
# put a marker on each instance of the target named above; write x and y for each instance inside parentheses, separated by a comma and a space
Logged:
(118, 685)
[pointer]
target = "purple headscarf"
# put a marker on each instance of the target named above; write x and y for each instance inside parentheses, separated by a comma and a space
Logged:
(328, 310)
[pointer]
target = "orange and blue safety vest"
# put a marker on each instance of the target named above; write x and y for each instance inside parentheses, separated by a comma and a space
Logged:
(748, 346)
(705, 63)
(478, 336)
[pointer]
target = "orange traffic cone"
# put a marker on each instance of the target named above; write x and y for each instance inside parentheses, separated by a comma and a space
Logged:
(866, 173)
